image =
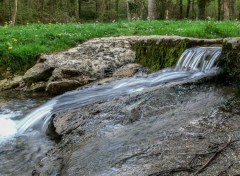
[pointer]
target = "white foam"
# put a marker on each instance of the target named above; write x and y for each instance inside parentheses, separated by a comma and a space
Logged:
(7, 129)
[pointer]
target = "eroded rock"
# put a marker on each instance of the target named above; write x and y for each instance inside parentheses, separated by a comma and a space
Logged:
(58, 87)
(39, 72)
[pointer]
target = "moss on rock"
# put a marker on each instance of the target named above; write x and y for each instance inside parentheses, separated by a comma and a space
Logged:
(156, 54)
(230, 59)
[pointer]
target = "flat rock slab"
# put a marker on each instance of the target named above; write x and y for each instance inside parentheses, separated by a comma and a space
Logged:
(143, 134)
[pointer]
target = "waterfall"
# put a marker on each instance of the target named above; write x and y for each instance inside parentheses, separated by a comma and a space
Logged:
(194, 63)
(198, 59)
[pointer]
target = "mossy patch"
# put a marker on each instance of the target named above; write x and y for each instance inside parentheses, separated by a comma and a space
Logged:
(156, 54)
(230, 62)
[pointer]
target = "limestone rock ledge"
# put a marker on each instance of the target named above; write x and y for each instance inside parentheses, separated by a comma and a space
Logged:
(230, 59)
(100, 58)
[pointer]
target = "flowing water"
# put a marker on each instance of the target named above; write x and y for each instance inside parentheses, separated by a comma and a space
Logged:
(16, 126)
(195, 63)
(24, 149)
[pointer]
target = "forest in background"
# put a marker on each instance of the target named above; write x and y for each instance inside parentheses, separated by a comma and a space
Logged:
(64, 11)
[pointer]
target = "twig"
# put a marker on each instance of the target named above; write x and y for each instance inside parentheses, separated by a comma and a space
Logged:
(129, 157)
(171, 171)
(214, 156)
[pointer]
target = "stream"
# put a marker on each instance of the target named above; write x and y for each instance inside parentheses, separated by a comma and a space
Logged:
(19, 153)
(24, 119)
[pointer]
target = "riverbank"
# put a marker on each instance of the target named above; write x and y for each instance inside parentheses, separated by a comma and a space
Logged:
(101, 58)
(117, 57)
(20, 46)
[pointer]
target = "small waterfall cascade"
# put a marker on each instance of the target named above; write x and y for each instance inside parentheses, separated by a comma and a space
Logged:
(198, 59)
(194, 63)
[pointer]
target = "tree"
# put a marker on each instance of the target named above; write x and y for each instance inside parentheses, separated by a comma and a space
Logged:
(188, 8)
(128, 11)
(14, 12)
(232, 8)
(101, 9)
(180, 9)
(201, 9)
(152, 9)
(117, 8)
(219, 10)
(229, 9)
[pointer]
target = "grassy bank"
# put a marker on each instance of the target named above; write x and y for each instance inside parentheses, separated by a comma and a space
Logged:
(20, 45)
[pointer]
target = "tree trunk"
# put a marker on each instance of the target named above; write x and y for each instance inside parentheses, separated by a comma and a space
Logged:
(117, 8)
(101, 10)
(201, 9)
(193, 10)
(180, 9)
(220, 10)
(79, 8)
(14, 12)
(152, 9)
(232, 9)
(76, 9)
(188, 8)
(9, 10)
(226, 7)
(128, 12)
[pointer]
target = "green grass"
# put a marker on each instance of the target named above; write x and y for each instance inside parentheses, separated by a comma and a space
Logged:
(20, 45)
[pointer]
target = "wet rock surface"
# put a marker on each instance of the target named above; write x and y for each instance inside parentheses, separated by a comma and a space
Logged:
(164, 131)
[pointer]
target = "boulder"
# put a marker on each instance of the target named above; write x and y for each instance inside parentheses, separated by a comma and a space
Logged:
(39, 72)
(58, 87)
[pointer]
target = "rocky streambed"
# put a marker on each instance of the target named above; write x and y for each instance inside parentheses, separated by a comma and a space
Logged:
(176, 128)
(165, 131)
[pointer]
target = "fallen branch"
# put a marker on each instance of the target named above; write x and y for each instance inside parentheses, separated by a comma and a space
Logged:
(129, 157)
(171, 171)
(214, 156)
(191, 166)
